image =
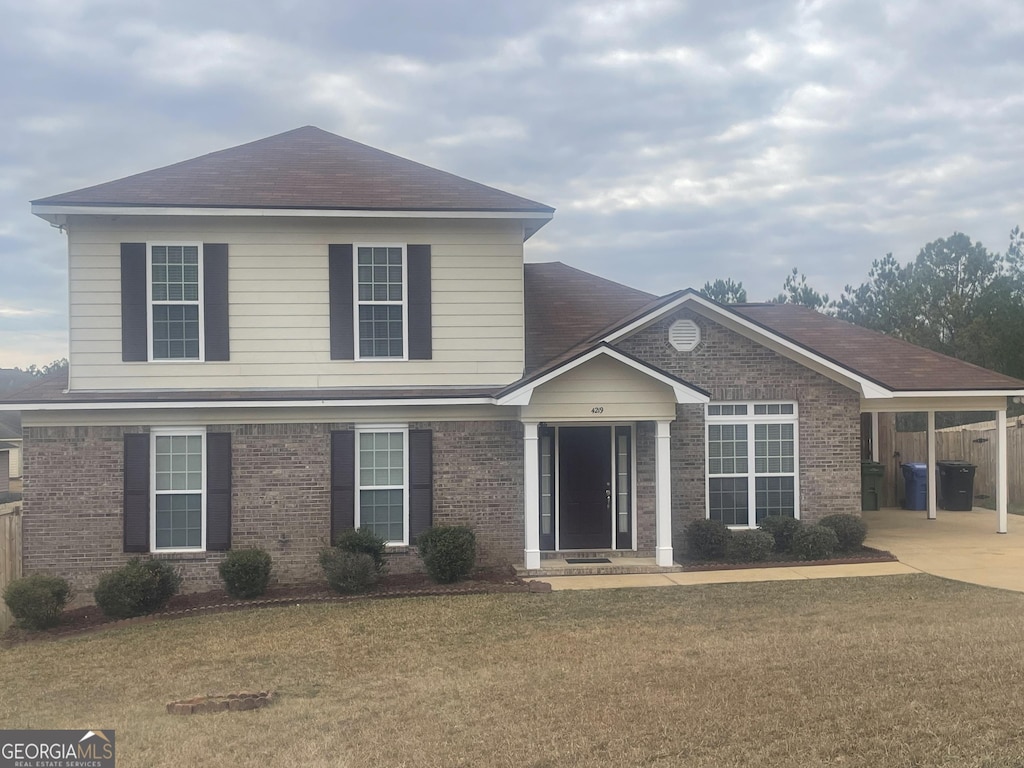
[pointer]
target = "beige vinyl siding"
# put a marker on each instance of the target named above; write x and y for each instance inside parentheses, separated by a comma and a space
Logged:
(279, 311)
(14, 467)
(620, 392)
(178, 417)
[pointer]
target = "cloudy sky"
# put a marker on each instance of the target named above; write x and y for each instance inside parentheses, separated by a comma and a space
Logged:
(679, 140)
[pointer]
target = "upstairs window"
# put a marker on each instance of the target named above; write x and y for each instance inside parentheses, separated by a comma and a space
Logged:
(175, 299)
(380, 301)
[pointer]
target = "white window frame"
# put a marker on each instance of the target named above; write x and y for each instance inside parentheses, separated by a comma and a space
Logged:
(149, 303)
(153, 492)
(750, 420)
(369, 429)
(356, 303)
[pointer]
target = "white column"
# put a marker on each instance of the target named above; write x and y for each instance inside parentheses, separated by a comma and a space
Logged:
(932, 479)
(531, 494)
(874, 436)
(663, 497)
(1002, 495)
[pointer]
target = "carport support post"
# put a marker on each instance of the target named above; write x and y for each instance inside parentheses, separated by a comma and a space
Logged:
(932, 479)
(1002, 496)
(874, 436)
(531, 492)
(663, 496)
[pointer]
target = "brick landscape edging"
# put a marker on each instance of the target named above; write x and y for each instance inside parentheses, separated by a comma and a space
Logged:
(880, 556)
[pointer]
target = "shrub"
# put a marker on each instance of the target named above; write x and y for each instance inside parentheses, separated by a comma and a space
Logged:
(448, 552)
(37, 601)
(707, 539)
(363, 540)
(814, 542)
(850, 530)
(348, 572)
(782, 530)
(138, 588)
(750, 546)
(245, 572)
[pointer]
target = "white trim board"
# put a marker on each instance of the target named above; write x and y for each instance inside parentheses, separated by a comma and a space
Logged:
(734, 322)
(522, 394)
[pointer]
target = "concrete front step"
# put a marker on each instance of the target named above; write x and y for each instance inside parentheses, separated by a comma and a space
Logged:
(620, 565)
(611, 554)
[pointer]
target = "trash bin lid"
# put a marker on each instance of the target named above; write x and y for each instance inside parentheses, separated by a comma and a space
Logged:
(954, 464)
(915, 465)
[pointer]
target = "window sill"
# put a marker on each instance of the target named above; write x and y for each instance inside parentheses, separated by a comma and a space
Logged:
(179, 554)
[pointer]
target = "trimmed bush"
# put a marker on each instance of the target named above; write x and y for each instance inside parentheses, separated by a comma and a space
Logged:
(850, 530)
(363, 540)
(37, 601)
(448, 552)
(750, 546)
(245, 572)
(138, 588)
(707, 539)
(814, 542)
(348, 572)
(782, 530)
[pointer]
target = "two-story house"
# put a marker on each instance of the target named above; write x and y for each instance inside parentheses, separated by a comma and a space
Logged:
(303, 334)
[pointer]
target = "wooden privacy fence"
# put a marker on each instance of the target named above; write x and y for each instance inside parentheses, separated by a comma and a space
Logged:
(975, 443)
(10, 555)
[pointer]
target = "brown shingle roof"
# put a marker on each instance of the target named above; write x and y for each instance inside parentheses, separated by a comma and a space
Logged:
(566, 306)
(305, 168)
(897, 365)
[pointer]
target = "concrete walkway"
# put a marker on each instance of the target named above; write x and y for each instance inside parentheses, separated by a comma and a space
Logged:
(956, 545)
(963, 546)
(793, 573)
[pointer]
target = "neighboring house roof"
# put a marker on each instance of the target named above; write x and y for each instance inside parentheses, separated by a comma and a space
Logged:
(13, 379)
(306, 168)
(10, 425)
(5, 446)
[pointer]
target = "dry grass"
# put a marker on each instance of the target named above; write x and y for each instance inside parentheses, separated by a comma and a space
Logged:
(897, 671)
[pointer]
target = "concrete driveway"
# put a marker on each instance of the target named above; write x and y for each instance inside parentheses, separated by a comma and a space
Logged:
(957, 545)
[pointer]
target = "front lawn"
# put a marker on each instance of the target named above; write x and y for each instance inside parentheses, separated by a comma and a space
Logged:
(900, 671)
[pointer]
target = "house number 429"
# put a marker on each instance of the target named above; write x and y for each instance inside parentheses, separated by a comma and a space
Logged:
(597, 409)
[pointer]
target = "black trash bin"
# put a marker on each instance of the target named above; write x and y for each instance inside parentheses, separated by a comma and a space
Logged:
(872, 475)
(956, 485)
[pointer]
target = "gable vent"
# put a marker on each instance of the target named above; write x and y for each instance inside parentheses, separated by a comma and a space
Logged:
(684, 335)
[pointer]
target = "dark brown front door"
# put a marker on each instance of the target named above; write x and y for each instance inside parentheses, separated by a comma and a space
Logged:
(585, 481)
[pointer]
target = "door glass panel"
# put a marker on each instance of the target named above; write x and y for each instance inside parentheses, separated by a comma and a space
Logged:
(622, 483)
(547, 485)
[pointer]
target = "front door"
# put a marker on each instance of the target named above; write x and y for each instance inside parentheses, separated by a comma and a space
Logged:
(585, 488)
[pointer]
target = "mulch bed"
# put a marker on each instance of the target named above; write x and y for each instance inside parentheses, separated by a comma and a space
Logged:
(864, 555)
(89, 618)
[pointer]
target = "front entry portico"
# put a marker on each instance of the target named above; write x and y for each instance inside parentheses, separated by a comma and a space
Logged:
(580, 424)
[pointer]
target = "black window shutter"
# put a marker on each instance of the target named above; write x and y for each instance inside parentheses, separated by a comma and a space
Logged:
(218, 491)
(343, 482)
(339, 258)
(134, 296)
(136, 493)
(421, 334)
(421, 482)
(215, 301)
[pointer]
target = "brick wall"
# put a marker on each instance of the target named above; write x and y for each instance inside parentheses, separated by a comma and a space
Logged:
(280, 498)
(732, 367)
